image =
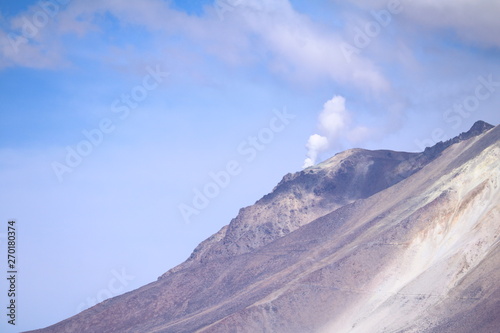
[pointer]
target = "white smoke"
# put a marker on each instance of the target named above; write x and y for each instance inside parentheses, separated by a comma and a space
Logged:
(334, 117)
(333, 120)
(315, 145)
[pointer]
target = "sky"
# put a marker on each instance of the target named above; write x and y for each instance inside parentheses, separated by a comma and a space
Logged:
(130, 131)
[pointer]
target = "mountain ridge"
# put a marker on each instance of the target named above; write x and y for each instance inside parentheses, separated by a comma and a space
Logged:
(398, 166)
(351, 266)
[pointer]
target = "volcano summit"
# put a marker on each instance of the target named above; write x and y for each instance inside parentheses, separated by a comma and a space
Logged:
(365, 242)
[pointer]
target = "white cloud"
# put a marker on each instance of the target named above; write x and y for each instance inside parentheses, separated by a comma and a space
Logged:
(28, 40)
(303, 51)
(475, 22)
(269, 33)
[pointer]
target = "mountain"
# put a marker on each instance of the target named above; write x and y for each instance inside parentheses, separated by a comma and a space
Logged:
(367, 241)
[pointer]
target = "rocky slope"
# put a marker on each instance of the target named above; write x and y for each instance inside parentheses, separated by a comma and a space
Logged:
(368, 241)
(304, 196)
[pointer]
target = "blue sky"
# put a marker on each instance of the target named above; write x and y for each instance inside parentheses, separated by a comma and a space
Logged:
(170, 93)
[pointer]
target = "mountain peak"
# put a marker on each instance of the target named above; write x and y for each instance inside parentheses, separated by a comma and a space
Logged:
(301, 197)
(348, 246)
(477, 129)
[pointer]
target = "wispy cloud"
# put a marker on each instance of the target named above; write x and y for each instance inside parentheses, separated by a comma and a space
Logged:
(473, 21)
(297, 49)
